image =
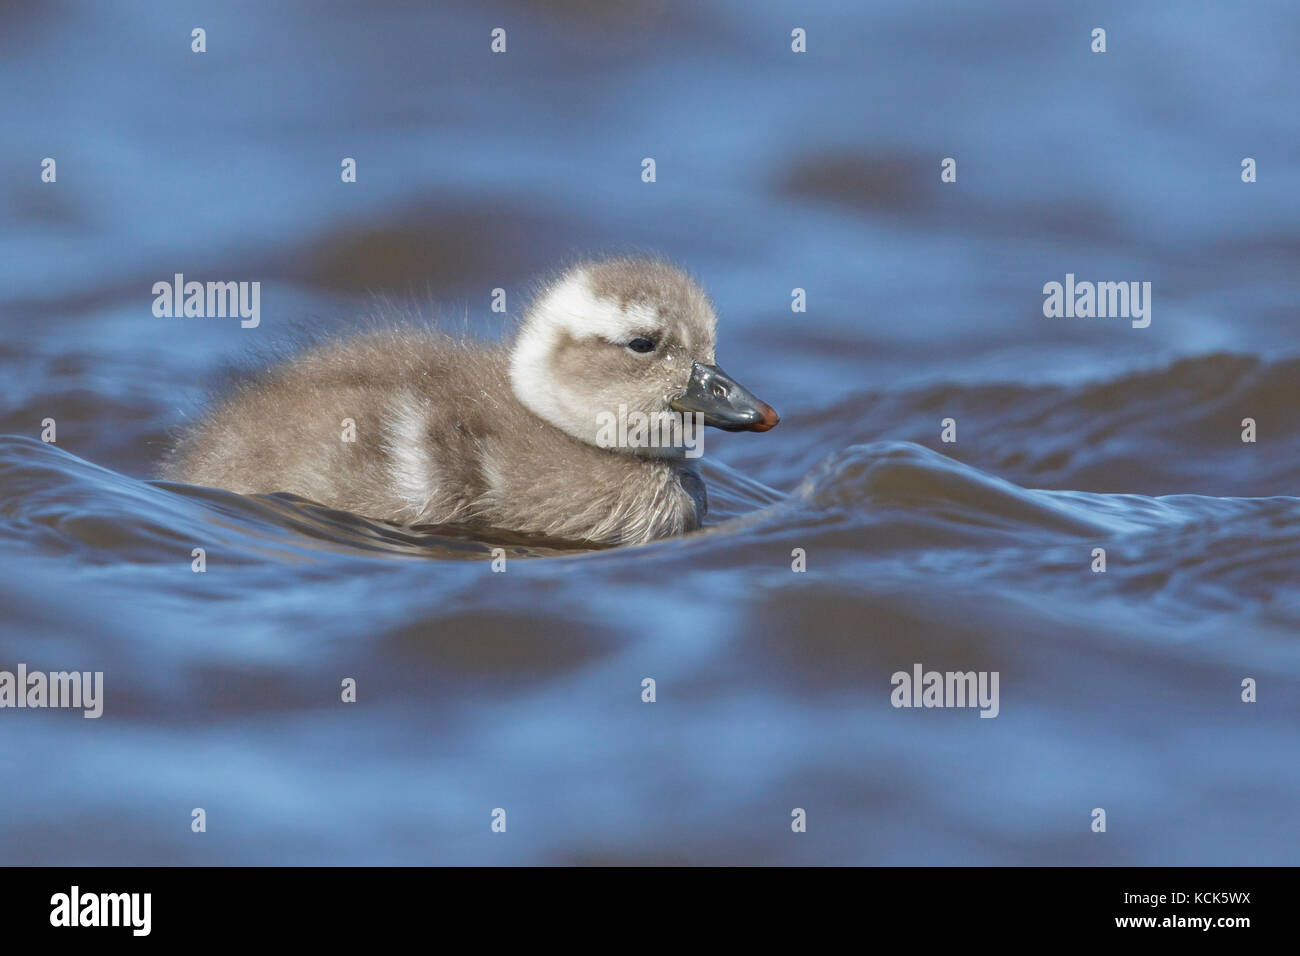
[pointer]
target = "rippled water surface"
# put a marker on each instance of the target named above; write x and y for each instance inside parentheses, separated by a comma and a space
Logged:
(522, 689)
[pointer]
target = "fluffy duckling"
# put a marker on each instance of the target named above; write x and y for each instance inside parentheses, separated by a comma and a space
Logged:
(526, 439)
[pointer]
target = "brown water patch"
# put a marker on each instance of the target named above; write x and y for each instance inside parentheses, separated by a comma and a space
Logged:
(881, 182)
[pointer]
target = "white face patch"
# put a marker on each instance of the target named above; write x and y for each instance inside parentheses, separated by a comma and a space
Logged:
(571, 310)
(571, 364)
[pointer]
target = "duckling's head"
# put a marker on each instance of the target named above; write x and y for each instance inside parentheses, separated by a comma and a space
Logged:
(626, 336)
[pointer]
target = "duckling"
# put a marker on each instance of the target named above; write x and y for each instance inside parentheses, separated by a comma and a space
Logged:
(417, 427)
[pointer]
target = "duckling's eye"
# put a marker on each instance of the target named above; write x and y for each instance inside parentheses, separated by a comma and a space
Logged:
(641, 345)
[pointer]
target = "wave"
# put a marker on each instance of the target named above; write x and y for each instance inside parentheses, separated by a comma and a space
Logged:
(1170, 430)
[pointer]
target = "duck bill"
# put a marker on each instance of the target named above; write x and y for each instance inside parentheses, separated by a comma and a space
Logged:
(724, 402)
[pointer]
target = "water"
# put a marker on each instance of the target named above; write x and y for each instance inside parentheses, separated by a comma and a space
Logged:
(521, 690)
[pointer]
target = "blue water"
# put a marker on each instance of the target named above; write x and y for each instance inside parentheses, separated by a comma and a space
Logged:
(522, 690)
